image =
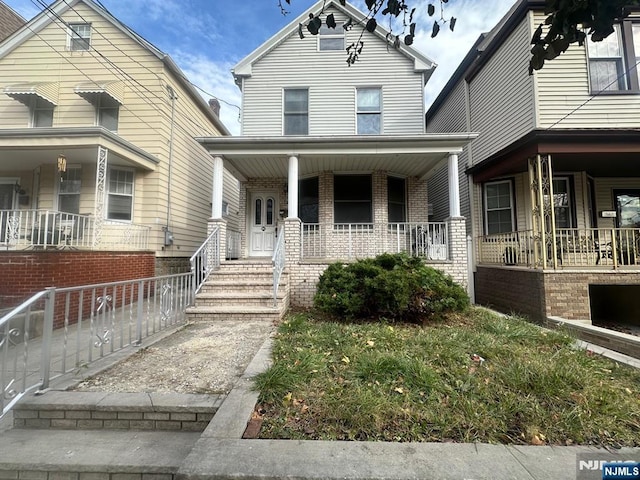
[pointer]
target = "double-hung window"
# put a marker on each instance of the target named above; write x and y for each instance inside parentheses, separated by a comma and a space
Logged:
(69, 189)
(42, 113)
(331, 39)
(369, 111)
(498, 207)
(108, 111)
(562, 207)
(613, 62)
(397, 199)
(296, 111)
(79, 36)
(352, 199)
(309, 200)
(120, 194)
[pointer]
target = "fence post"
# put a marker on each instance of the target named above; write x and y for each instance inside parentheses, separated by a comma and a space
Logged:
(140, 313)
(47, 336)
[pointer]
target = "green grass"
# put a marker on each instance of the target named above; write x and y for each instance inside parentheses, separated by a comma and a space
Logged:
(377, 381)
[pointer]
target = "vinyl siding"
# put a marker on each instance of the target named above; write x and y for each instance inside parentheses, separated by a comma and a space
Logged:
(332, 83)
(564, 99)
(502, 95)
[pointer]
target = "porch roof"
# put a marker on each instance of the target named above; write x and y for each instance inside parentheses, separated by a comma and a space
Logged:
(27, 148)
(599, 152)
(267, 157)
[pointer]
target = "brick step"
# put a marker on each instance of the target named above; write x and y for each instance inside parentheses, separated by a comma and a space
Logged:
(254, 299)
(228, 312)
(93, 454)
(70, 410)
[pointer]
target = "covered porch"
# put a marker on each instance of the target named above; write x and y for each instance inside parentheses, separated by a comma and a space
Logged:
(341, 198)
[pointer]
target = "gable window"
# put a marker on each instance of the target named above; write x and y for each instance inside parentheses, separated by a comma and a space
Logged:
(79, 36)
(69, 190)
(296, 111)
(369, 111)
(331, 39)
(498, 207)
(42, 113)
(612, 61)
(308, 200)
(120, 195)
(397, 199)
(352, 199)
(108, 111)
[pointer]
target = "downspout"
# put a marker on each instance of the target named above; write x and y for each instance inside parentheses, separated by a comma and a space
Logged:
(168, 235)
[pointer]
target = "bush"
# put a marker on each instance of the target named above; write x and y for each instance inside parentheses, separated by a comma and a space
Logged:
(397, 287)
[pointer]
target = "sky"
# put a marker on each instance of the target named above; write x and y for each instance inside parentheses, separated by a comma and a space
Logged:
(206, 38)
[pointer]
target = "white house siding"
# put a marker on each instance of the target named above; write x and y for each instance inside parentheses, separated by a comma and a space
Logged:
(332, 86)
(502, 95)
(564, 99)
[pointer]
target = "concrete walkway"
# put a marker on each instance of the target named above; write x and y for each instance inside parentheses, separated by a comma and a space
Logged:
(220, 453)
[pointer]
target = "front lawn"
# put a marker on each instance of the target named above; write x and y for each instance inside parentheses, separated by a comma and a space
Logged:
(476, 377)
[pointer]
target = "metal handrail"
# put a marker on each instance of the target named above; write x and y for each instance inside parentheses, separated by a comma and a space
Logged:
(206, 259)
(278, 260)
(81, 325)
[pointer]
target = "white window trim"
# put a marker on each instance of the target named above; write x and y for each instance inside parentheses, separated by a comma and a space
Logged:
(338, 32)
(284, 113)
(70, 34)
(570, 196)
(33, 108)
(380, 112)
(57, 184)
(133, 194)
(99, 107)
(485, 209)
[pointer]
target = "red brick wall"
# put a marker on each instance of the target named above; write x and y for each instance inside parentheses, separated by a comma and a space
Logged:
(24, 273)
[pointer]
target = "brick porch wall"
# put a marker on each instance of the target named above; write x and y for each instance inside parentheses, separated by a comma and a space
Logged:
(26, 273)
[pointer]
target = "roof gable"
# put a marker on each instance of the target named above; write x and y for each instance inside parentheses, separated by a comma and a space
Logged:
(422, 63)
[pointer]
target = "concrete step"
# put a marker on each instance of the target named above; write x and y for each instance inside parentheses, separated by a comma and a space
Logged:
(253, 299)
(235, 312)
(71, 410)
(93, 454)
(217, 285)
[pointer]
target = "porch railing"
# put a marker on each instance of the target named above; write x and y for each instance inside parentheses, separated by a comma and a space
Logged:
(49, 229)
(575, 247)
(62, 331)
(360, 240)
(278, 260)
(206, 259)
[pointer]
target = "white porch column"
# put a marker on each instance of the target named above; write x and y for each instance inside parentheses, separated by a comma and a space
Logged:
(454, 187)
(218, 175)
(100, 207)
(293, 187)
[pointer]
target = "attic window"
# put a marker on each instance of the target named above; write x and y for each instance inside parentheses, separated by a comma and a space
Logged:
(331, 39)
(79, 38)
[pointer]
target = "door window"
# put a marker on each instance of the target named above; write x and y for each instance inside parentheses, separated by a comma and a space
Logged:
(627, 208)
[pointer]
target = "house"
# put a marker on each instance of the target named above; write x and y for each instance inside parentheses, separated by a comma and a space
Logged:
(100, 176)
(333, 159)
(551, 186)
(10, 21)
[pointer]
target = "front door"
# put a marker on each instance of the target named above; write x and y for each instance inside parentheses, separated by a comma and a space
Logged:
(262, 230)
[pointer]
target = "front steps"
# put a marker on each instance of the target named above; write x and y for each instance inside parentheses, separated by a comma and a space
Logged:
(241, 290)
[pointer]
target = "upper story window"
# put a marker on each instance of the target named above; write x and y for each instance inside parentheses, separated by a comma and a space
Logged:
(498, 207)
(369, 111)
(120, 194)
(79, 36)
(296, 111)
(331, 39)
(108, 111)
(42, 113)
(612, 62)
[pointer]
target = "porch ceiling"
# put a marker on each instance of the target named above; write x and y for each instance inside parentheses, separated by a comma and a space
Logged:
(27, 148)
(260, 157)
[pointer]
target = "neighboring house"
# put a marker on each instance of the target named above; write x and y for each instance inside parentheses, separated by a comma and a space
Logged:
(100, 176)
(553, 188)
(10, 21)
(333, 159)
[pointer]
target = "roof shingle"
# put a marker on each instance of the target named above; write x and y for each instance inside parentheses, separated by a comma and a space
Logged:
(10, 21)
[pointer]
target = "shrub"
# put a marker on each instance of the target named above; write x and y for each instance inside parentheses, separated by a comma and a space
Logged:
(397, 287)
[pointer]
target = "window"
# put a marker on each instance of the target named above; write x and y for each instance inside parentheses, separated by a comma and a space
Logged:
(612, 62)
(352, 199)
(120, 195)
(397, 200)
(563, 210)
(369, 111)
(296, 111)
(331, 39)
(627, 205)
(498, 205)
(79, 36)
(108, 111)
(69, 190)
(308, 200)
(42, 113)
